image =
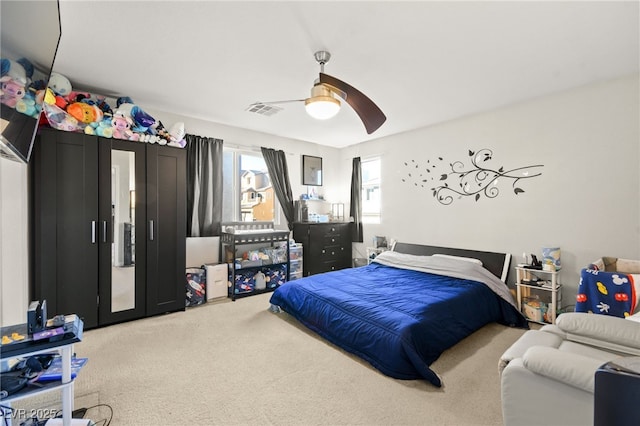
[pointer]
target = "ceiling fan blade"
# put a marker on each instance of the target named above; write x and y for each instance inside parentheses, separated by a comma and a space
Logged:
(278, 102)
(372, 117)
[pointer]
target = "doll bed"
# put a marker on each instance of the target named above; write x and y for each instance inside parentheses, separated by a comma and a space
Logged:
(404, 309)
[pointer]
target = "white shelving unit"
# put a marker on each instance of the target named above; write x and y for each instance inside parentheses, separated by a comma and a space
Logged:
(529, 279)
(65, 348)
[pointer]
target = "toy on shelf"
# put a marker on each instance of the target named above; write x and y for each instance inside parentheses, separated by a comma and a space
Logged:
(78, 111)
(15, 78)
(122, 127)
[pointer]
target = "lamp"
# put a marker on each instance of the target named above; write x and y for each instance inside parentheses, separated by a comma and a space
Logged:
(321, 105)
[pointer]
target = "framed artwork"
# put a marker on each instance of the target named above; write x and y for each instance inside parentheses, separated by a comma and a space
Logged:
(311, 170)
(379, 242)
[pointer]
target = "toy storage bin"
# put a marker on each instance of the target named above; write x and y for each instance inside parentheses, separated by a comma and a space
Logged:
(295, 252)
(196, 286)
(295, 266)
(275, 275)
(245, 281)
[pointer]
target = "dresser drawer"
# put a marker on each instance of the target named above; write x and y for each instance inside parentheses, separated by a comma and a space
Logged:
(328, 252)
(329, 266)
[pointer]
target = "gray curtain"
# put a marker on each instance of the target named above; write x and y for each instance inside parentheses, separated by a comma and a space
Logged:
(279, 174)
(204, 186)
(356, 200)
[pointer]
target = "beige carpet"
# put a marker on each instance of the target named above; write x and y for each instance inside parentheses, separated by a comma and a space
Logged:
(237, 363)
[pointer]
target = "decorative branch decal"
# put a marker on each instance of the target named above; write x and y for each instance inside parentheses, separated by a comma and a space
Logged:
(474, 181)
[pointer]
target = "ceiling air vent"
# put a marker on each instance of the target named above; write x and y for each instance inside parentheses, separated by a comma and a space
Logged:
(264, 109)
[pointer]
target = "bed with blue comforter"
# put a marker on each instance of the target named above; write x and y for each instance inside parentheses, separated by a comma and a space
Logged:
(402, 311)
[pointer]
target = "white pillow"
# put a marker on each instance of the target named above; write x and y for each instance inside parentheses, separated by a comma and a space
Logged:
(467, 259)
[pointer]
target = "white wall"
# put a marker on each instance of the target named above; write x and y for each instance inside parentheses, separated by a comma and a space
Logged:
(14, 217)
(332, 188)
(586, 201)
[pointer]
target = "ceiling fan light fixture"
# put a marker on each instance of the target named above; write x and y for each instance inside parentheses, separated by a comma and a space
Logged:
(321, 105)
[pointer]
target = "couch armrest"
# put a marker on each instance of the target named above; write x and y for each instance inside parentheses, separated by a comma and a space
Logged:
(569, 368)
(528, 339)
(602, 331)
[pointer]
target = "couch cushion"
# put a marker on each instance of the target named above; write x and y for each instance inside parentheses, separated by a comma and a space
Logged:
(601, 331)
(588, 351)
(569, 368)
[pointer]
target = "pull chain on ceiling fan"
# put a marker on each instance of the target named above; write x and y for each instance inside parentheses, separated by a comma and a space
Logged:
(323, 104)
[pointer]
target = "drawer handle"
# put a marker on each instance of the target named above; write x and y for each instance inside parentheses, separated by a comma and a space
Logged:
(333, 268)
(333, 252)
(333, 240)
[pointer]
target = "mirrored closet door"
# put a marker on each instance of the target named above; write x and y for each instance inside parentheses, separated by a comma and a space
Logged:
(121, 224)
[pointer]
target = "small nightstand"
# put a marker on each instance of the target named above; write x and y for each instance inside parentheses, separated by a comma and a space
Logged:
(527, 279)
(372, 252)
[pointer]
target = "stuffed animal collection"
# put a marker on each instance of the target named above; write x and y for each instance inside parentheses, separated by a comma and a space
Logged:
(69, 110)
(15, 86)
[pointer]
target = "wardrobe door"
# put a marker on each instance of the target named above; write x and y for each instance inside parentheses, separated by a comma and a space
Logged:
(65, 227)
(121, 223)
(166, 229)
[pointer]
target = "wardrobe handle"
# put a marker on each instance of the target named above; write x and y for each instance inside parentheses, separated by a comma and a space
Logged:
(104, 231)
(151, 230)
(93, 232)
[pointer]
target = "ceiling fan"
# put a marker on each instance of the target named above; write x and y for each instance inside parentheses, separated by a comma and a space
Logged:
(323, 103)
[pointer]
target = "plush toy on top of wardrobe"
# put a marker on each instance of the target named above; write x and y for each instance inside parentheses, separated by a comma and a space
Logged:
(76, 111)
(15, 80)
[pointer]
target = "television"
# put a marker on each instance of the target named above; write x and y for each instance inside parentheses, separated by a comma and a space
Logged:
(29, 37)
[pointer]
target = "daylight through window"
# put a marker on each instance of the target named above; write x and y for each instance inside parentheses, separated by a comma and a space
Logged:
(371, 190)
(248, 194)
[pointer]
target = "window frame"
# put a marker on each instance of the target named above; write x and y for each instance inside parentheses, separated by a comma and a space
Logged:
(369, 216)
(236, 173)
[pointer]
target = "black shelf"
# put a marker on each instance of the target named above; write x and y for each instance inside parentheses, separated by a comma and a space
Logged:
(259, 235)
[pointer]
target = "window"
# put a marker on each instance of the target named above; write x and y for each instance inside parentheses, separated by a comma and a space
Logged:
(248, 194)
(371, 190)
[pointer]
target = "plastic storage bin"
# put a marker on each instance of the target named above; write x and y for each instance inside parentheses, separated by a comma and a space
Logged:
(295, 252)
(196, 286)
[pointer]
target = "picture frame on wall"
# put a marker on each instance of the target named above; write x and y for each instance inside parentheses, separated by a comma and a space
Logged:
(379, 242)
(311, 170)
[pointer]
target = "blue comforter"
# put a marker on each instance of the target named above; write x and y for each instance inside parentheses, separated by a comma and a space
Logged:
(398, 320)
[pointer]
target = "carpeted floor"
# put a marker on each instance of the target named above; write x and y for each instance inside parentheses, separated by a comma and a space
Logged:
(229, 363)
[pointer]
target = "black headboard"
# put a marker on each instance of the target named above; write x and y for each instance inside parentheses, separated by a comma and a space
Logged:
(497, 263)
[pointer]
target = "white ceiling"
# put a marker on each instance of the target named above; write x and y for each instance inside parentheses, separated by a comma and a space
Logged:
(421, 62)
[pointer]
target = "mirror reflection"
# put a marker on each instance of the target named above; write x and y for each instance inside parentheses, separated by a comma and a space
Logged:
(123, 277)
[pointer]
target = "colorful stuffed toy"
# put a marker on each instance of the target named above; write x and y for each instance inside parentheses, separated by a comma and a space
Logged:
(60, 85)
(11, 91)
(122, 127)
(15, 78)
(84, 112)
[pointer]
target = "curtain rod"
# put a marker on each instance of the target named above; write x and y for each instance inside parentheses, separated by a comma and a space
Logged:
(254, 148)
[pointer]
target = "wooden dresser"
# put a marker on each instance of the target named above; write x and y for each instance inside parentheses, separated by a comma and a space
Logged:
(327, 246)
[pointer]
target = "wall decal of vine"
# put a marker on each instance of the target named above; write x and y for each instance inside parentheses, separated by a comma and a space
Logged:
(461, 181)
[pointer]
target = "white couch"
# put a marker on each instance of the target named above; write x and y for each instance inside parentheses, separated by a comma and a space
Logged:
(547, 376)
